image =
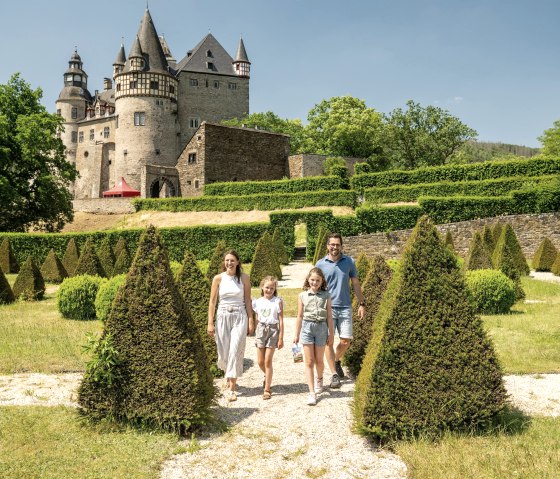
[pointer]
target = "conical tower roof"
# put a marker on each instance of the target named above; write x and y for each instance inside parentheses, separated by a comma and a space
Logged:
(241, 55)
(121, 57)
(136, 50)
(151, 46)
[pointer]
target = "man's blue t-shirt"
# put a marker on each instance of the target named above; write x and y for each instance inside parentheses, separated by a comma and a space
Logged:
(338, 279)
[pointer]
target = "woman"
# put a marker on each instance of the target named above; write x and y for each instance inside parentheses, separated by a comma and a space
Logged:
(232, 289)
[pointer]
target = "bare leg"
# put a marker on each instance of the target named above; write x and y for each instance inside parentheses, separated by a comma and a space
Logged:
(269, 353)
(329, 353)
(342, 347)
(319, 363)
(261, 352)
(309, 356)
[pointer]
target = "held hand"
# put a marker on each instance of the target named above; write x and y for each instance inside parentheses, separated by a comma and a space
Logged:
(280, 343)
(211, 331)
(296, 340)
(330, 339)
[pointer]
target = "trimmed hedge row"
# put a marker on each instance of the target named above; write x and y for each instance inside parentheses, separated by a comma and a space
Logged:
(311, 183)
(474, 171)
(492, 187)
(201, 239)
(250, 202)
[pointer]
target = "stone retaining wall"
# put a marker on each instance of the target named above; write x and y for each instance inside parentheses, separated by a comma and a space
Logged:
(530, 230)
(104, 206)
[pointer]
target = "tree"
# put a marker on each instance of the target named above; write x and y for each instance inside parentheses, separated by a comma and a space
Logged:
(89, 261)
(423, 136)
(478, 256)
(8, 262)
(34, 174)
(550, 140)
(545, 255)
(265, 261)
(53, 270)
(71, 257)
(345, 126)
(268, 121)
(29, 284)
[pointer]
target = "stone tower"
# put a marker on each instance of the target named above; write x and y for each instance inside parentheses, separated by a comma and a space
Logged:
(72, 103)
(146, 103)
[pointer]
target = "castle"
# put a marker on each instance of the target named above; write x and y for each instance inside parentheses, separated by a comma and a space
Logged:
(138, 126)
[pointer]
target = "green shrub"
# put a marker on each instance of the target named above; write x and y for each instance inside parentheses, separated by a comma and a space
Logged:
(122, 265)
(175, 267)
(556, 265)
(71, 257)
(387, 218)
(75, 297)
(361, 168)
(6, 293)
(106, 257)
(497, 232)
(121, 244)
(463, 208)
(8, 262)
(544, 256)
(509, 237)
(29, 284)
(491, 291)
(373, 287)
(237, 188)
(429, 365)
(265, 262)
(89, 262)
(477, 256)
(488, 239)
(195, 290)
(216, 264)
(503, 260)
(320, 245)
(106, 295)
(279, 247)
(448, 241)
(363, 265)
(52, 269)
(162, 379)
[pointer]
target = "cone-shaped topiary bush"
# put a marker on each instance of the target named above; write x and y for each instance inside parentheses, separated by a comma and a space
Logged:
(281, 252)
(490, 290)
(477, 256)
(121, 244)
(449, 241)
(106, 257)
(71, 257)
(75, 299)
(29, 284)
(503, 261)
(265, 262)
(8, 262)
(6, 293)
(89, 261)
(216, 263)
(363, 265)
(429, 365)
(106, 295)
(321, 245)
(53, 270)
(508, 236)
(497, 232)
(488, 239)
(123, 262)
(545, 256)
(150, 367)
(555, 268)
(373, 288)
(195, 290)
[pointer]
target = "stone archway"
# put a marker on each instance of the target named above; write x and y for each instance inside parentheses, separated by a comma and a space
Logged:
(162, 187)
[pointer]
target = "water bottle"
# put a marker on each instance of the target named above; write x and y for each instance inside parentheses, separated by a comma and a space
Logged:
(297, 354)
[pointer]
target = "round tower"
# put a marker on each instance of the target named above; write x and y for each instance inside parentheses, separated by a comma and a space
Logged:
(241, 64)
(72, 103)
(146, 104)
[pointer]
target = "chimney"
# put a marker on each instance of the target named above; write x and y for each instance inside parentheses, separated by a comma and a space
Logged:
(107, 84)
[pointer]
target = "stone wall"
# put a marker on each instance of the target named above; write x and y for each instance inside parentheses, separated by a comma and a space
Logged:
(104, 206)
(530, 230)
(299, 166)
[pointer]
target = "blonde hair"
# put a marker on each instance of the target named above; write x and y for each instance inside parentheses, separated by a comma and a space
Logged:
(266, 279)
(318, 272)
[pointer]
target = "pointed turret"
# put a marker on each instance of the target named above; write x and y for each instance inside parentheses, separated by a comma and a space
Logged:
(119, 62)
(241, 64)
(135, 57)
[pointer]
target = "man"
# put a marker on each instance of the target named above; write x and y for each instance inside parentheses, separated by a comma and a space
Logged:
(340, 270)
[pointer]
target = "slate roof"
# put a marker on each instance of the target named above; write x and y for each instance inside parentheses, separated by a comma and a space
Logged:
(74, 93)
(121, 57)
(241, 55)
(198, 61)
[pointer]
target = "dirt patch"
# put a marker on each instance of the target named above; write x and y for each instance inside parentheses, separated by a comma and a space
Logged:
(97, 222)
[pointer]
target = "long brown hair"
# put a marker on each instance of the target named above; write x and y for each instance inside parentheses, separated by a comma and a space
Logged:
(238, 269)
(318, 272)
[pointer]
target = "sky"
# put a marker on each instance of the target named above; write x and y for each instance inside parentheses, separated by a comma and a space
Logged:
(492, 64)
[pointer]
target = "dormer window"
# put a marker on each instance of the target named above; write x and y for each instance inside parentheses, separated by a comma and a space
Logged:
(209, 54)
(210, 65)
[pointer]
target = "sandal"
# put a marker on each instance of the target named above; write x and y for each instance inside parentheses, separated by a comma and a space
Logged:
(266, 395)
(232, 396)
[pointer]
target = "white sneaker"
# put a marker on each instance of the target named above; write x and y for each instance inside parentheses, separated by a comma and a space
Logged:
(319, 385)
(311, 400)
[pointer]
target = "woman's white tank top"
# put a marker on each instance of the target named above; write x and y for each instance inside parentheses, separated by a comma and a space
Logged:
(231, 291)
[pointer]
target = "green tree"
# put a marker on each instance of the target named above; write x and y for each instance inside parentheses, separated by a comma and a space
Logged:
(269, 121)
(29, 284)
(8, 262)
(53, 270)
(345, 126)
(71, 257)
(216, 263)
(545, 255)
(34, 174)
(423, 136)
(478, 256)
(550, 140)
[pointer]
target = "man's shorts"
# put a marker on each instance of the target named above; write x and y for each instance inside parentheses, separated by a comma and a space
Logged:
(266, 335)
(342, 319)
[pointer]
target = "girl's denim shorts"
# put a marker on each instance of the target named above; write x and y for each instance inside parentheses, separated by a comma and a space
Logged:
(313, 332)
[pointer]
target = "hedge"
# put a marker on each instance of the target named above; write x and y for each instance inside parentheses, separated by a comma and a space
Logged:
(493, 187)
(264, 201)
(388, 218)
(474, 171)
(311, 183)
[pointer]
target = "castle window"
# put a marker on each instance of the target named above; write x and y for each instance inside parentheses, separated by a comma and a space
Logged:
(209, 54)
(216, 84)
(81, 137)
(154, 85)
(139, 118)
(118, 87)
(196, 184)
(171, 89)
(59, 112)
(133, 84)
(210, 65)
(232, 86)
(92, 134)
(193, 122)
(106, 132)
(193, 82)
(74, 113)
(69, 78)
(192, 158)
(74, 136)
(86, 154)
(102, 110)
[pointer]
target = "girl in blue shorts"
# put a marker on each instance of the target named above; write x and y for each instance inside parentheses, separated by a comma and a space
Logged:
(314, 329)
